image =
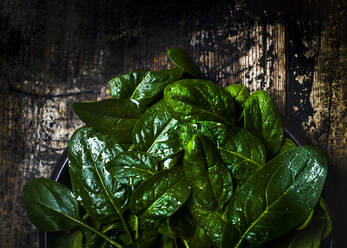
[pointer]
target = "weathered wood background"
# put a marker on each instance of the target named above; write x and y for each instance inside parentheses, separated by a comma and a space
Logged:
(55, 52)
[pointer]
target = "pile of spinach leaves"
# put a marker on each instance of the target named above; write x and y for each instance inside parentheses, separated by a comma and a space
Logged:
(173, 160)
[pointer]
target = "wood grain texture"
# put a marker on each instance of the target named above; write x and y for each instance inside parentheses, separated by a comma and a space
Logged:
(53, 53)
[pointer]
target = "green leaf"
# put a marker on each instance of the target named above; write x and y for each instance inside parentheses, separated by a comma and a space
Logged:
(115, 117)
(157, 132)
(88, 152)
(238, 92)
(181, 59)
(172, 161)
(243, 153)
(131, 168)
(51, 206)
(143, 86)
(287, 144)
(161, 195)
(311, 236)
(262, 118)
(276, 198)
(215, 131)
(193, 99)
(73, 240)
(208, 177)
(211, 221)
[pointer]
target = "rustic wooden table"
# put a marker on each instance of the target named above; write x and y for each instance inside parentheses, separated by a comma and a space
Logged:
(53, 53)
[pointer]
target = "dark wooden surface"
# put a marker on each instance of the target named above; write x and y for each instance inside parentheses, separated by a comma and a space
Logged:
(53, 53)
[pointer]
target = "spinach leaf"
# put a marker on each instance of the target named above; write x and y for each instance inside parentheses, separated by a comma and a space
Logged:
(276, 198)
(211, 221)
(115, 117)
(172, 161)
(215, 131)
(145, 87)
(88, 152)
(312, 235)
(287, 144)
(161, 195)
(156, 132)
(123, 86)
(193, 99)
(131, 168)
(262, 118)
(199, 239)
(73, 240)
(208, 177)
(181, 59)
(239, 93)
(51, 206)
(243, 153)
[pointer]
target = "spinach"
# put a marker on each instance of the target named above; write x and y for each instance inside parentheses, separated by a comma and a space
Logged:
(180, 58)
(171, 192)
(51, 206)
(192, 99)
(175, 161)
(262, 118)
(156, 132)
(131, 168)
(207, 175)
(115, 117)
(142, 86)
(280, 194)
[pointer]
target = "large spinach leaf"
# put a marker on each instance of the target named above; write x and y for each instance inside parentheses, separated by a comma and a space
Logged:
(161, 195)
(262, 118)
(131, 168)
(88, 152)
(143, 86)
(208, 177)
(157, 132)
(51, 206)
(193, 99)
(276, 198)
(115, 117)
(243, 153)
(180, 58)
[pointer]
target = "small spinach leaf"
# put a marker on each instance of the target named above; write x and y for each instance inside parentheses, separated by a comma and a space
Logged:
(157, 132)
(276, 198)
(181, 59)
(287, 144)
(193, 99)
(262, 118)
(208, 177)
(51, 206)
(161, 195)
(131, 168)
(115, 117)
(143, 86)
(239, 93)
(73, 240)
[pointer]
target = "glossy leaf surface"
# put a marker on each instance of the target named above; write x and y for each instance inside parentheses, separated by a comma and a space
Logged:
(161, 195)
(157, 132)
(142, 86)
(181, 59)
(243, 153)
(211, 221)
(193, 99)
(208, 177)
(88, 152)
(276, 198)
(131, 168)
(262, 118)
(238, 92)
(115, 117)
(51, 206)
